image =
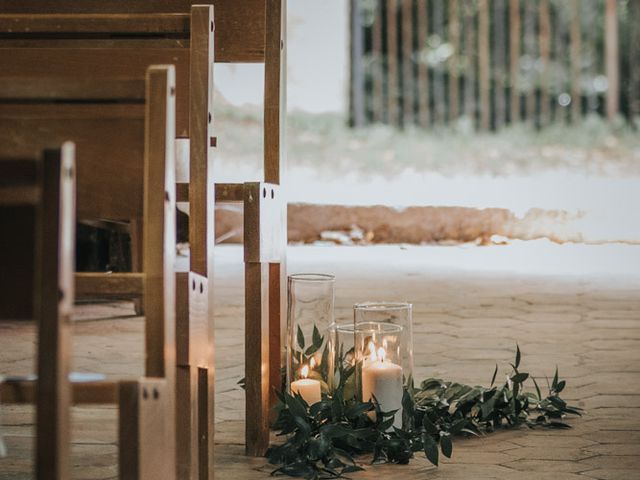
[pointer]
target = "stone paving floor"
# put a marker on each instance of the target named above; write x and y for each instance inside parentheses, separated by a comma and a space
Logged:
(574, 306)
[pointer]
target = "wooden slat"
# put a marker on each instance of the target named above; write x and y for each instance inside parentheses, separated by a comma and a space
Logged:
(357, 89)
(483, 64)
(201, 187)
(531, 50)
(470, 70)
(159, 222)
(205, 424)
(392, 63)
(83, 393)
(514, 62)
(229, 192)
(239, 32)
(423, 73)
(277, 329)
(377, 74)
(544, 36)
(109, 285)
(275, 105)
(54, 287)
(192, 331)
(224, 192)
(108, 143)
(454, 40)
(575, 39)
(110, 24)
(633, 54)
(407, 62)
(102, 74)
(19, 195)
(612, 58)
(257, 358)
(145, 430)
(263, 219)
(499, 63)
(439, 84)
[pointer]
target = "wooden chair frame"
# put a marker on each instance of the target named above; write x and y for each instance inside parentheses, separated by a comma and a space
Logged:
(52, 194)
(146, 406)
(195, 354)
(247, 31)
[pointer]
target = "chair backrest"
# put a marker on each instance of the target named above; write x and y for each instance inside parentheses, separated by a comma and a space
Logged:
(61, 71)
(37, 221)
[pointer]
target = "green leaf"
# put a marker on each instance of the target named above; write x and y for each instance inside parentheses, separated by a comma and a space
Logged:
(311, 350)
(300, 338)
(430, 448)
(519, 377)
(495, 372)
(429, 426)
(517, 355)
(446, 445)
(317, 339)
(555, 379)
(560, 386)
(457, 426)
(537, 388)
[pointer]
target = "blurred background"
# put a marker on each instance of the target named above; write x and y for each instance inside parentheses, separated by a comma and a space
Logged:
(463, 120)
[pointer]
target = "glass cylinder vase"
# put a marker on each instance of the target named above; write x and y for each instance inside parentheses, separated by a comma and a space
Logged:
(310, 320)
(394, 313)
(383, 354)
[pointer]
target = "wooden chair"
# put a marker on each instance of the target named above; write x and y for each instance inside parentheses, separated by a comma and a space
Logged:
(147, 406)
(37, 221)
(246, 31)
(94, 63)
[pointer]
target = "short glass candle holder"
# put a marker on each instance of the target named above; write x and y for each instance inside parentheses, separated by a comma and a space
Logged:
(393, 313)
(380, 375)
(310, 320)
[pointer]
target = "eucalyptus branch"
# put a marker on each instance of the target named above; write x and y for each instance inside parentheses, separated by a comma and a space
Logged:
(323, 440)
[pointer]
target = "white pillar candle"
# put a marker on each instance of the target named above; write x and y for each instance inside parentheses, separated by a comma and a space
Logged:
(383, 380)
(307, 388)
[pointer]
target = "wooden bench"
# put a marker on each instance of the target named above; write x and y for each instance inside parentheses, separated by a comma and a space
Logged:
(36, 257)
(147, 406)
(91, 65)
(245, 31)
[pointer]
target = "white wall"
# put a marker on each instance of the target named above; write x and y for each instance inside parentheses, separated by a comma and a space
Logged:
(317, 56)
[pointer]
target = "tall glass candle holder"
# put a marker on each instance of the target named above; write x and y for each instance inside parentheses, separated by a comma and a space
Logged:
(310, 320)
(394, 313)
(380, 376)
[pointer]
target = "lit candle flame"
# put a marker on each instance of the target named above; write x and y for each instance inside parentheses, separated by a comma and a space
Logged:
(376, 355)
(372, 351)
(312, 362)
(305, 371)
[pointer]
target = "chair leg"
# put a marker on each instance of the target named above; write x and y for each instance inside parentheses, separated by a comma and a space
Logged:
(136, 257)
(256, 357)
(144, 435)
(277, 326)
